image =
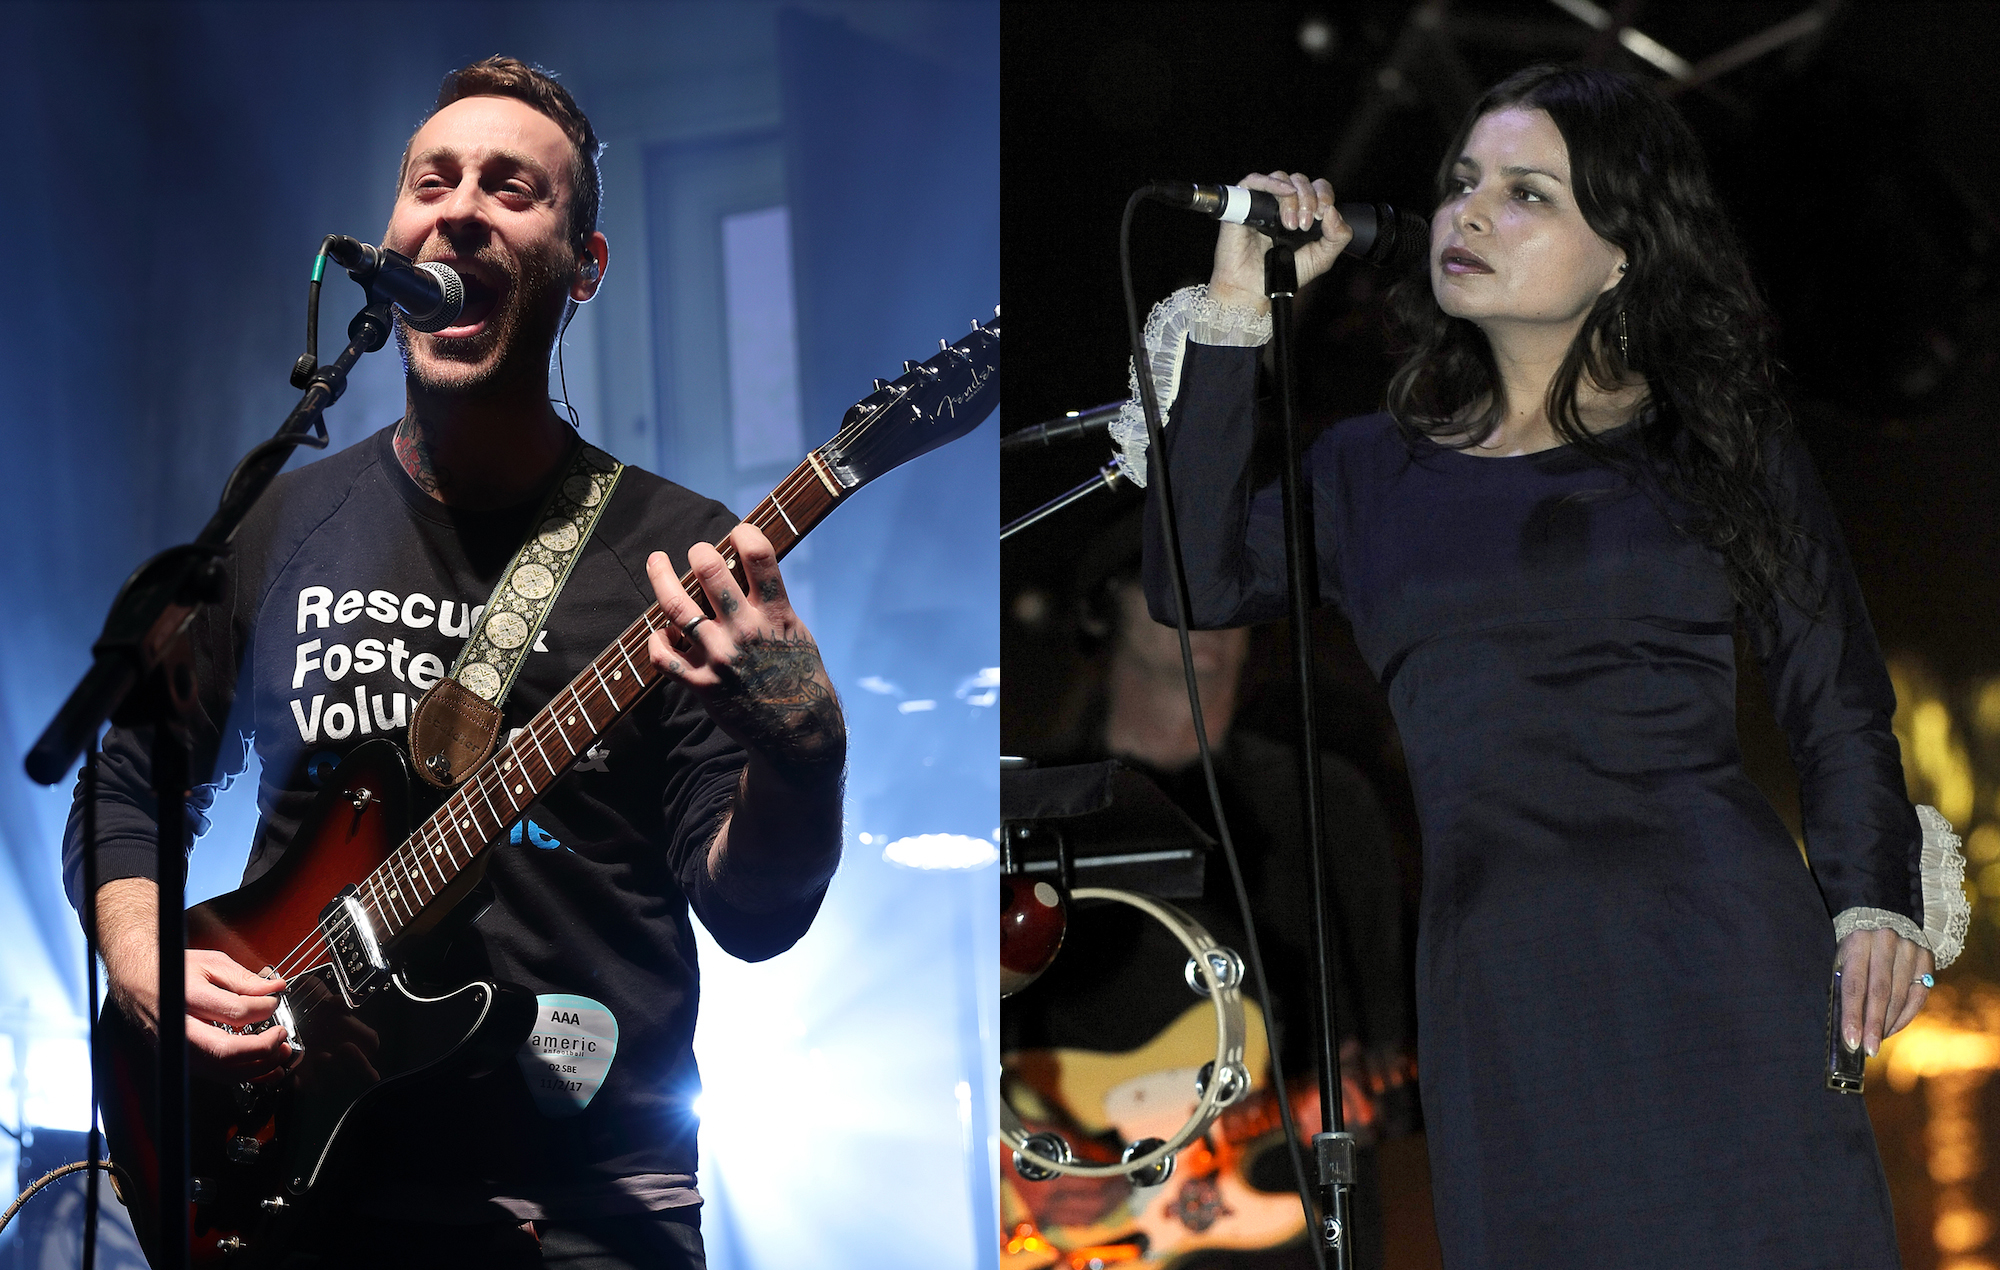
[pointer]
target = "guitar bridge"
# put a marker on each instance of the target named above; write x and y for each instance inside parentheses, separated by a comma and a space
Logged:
(357, 957)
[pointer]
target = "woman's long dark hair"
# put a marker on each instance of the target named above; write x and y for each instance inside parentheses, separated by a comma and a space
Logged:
(1692, 319)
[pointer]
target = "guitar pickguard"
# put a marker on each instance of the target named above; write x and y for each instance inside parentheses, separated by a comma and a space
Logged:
(394, 1034)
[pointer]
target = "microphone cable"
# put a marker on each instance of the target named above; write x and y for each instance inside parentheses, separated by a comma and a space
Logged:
(1170, 527)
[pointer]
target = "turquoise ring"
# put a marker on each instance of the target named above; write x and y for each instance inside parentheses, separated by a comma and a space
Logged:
(1924, 981)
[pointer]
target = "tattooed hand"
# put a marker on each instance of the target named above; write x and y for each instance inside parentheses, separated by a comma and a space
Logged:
(754, 665)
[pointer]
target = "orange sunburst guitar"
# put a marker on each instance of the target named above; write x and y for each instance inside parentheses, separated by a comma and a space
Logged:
(356, 892)
(1208, 1203)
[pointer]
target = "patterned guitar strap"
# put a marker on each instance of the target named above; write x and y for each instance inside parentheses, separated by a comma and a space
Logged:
(458, 721)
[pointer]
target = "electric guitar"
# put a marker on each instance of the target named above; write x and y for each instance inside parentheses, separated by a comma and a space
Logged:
(1096, 1098)
(342, 913)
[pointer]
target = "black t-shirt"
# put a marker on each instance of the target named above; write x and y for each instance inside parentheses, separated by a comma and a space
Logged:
(351, 591)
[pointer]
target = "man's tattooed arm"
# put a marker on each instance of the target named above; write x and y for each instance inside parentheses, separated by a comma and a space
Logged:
(782, 838)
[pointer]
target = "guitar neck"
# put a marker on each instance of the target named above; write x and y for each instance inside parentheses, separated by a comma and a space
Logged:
(1258, 1114)
(523, 769)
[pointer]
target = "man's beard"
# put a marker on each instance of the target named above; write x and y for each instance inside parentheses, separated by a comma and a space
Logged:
(514, 347)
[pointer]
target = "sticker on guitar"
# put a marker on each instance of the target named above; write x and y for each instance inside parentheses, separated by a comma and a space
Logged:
(567, 1057)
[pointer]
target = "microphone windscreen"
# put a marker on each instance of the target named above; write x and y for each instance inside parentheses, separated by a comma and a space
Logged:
(1385, 237)
(450, 305)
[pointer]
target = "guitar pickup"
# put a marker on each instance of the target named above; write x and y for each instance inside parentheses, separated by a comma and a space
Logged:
(357, 957)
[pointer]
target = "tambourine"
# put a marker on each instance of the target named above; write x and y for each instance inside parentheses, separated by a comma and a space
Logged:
(1214, 972)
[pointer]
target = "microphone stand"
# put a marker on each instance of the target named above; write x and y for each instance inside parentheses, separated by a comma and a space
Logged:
(142, 675)
(1107, 478)
(1333, 1146)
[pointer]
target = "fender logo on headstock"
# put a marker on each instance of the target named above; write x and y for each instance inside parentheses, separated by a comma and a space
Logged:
(948, 406)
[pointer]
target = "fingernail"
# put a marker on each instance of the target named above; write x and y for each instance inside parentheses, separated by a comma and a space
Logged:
(1872, 1047)
(1853, 1040)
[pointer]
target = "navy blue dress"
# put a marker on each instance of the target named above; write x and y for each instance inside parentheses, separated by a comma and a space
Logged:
(1622, 962)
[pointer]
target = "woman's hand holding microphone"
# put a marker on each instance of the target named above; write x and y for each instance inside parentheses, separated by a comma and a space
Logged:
(1238, 278)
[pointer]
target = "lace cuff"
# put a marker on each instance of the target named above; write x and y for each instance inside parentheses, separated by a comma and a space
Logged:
(1947, 913)
(1184, 315)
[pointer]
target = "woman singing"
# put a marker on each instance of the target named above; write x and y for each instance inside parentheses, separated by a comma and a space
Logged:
(1584, 483)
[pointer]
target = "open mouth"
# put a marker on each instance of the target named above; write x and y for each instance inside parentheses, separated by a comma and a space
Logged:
(480, 301)
(1453, 260)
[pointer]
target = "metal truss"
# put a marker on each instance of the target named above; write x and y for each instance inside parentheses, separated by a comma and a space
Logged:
(1426, 65)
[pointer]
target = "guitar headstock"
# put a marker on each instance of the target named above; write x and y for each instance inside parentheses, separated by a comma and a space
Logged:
(943, 399)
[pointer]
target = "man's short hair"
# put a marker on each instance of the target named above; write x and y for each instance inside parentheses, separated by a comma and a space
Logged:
(499, 76)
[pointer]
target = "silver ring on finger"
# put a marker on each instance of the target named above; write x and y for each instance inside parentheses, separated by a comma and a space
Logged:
(687, 628)
(1924, 981)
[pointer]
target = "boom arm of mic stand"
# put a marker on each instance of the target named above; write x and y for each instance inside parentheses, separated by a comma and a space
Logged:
(1107, 477)
(159, 600)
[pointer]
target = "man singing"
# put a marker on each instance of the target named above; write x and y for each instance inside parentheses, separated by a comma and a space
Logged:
(353, 587)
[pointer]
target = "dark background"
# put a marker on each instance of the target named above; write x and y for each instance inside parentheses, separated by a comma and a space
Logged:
(1862, 165)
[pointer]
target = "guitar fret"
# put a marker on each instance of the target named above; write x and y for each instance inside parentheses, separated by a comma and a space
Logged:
(603, 687)
(436, 867)
(773, 500)
(491, 810)
(396, 897)
(381, 911)
(548, 766)
(459, 826)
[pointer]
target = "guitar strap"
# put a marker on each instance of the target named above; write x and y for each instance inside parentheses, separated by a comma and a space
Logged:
(458, 720)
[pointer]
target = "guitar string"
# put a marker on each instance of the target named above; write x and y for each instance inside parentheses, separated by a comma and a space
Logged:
(800, 480)
(546, 725)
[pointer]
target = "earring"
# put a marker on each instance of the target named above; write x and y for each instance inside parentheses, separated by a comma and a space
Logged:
(1624, 341)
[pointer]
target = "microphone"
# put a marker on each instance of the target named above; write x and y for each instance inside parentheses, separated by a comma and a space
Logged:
(431, 295)
(1383, 236)
(1077, 425)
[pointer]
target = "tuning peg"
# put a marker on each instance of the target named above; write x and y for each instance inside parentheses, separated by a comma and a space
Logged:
(975, 324)
(880, 384)
(996, 310)
(909, 368)
(942, 346)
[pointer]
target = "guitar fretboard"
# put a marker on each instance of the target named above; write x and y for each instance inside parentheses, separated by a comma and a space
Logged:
(523, 768)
